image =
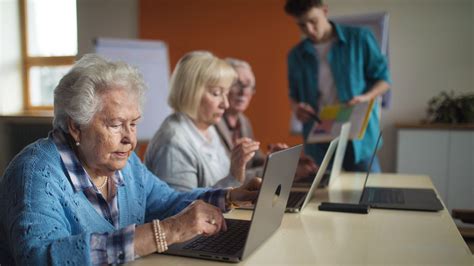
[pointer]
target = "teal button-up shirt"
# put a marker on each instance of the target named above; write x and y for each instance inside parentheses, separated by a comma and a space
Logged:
(356, 64)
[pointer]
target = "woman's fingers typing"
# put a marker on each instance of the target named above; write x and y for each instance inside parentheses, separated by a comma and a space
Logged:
(198, 218)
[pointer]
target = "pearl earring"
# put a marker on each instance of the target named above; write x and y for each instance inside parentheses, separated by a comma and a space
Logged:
(78, 143)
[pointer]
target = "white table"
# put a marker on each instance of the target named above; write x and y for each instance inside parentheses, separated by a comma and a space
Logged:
(380, 237)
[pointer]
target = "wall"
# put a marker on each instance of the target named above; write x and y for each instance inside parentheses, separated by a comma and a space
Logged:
(431, 49)
(257, 31)
(10, 68)
(105, 18)
(10, 57)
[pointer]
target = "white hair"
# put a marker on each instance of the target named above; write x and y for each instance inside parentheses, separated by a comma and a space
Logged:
(77, 96)
(235, 63)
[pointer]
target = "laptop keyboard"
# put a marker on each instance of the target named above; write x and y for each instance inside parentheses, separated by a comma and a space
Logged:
(228, 242)
(295, 199)
(381, 195)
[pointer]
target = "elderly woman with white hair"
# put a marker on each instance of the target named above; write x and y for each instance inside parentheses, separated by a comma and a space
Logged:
(186, 151)
(81, 196)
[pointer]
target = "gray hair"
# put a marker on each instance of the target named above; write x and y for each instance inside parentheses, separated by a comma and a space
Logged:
(235, 63)
(77, 95)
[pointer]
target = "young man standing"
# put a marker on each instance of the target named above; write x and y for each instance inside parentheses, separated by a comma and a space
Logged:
(335, 64)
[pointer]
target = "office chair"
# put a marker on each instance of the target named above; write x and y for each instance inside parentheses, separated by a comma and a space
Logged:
(467, 232)
(140, 149)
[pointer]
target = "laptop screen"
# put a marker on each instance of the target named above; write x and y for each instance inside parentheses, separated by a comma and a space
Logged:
(370, 166)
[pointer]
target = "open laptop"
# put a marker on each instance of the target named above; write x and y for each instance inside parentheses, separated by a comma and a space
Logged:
(330, 176)
(243, 237)
(340, 152)
(415, 199)
(298, 199)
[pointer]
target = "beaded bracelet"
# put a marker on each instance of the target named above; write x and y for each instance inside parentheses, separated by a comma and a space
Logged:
(160, 237)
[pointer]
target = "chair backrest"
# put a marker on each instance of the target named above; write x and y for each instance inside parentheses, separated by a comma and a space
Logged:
(140, 149)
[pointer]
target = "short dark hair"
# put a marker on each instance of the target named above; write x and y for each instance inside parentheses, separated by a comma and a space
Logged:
(297, 8)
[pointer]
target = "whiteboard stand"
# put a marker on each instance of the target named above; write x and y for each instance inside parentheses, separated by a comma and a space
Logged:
(151, 58)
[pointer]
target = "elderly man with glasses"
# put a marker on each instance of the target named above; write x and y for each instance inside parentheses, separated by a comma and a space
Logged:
(235, 125)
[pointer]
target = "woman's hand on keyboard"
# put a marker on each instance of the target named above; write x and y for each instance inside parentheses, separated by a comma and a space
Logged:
(198, 218)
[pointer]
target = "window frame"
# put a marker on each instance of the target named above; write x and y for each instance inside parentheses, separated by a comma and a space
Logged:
(35, 61)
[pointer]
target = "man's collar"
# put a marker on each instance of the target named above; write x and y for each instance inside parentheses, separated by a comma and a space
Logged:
(308, 45)
(340, 36)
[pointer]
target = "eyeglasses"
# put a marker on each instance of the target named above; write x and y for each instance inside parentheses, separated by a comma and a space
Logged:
(239, 87)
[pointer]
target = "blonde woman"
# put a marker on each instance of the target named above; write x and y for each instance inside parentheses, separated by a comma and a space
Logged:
(187, 152)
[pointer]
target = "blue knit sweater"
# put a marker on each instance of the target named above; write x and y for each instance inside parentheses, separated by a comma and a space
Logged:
(44, 221)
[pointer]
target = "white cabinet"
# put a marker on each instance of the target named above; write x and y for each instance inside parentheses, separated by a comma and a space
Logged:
(446, 155)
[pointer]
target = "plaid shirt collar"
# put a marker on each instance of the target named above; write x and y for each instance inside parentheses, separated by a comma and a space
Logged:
(78, 175)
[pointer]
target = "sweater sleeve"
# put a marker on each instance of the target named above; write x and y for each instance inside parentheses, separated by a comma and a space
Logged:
(163, 201)
(36, 222)
(113, 248)
(38, 203)
(228, 181)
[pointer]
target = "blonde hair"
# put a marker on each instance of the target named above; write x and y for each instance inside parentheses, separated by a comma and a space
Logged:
(193, 73)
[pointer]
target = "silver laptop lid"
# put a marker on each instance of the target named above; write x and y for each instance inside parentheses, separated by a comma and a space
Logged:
(321, 170)
(340, 152)
(278, 175)
(374, 153)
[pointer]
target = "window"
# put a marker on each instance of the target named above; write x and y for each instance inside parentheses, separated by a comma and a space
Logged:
(49, 47)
